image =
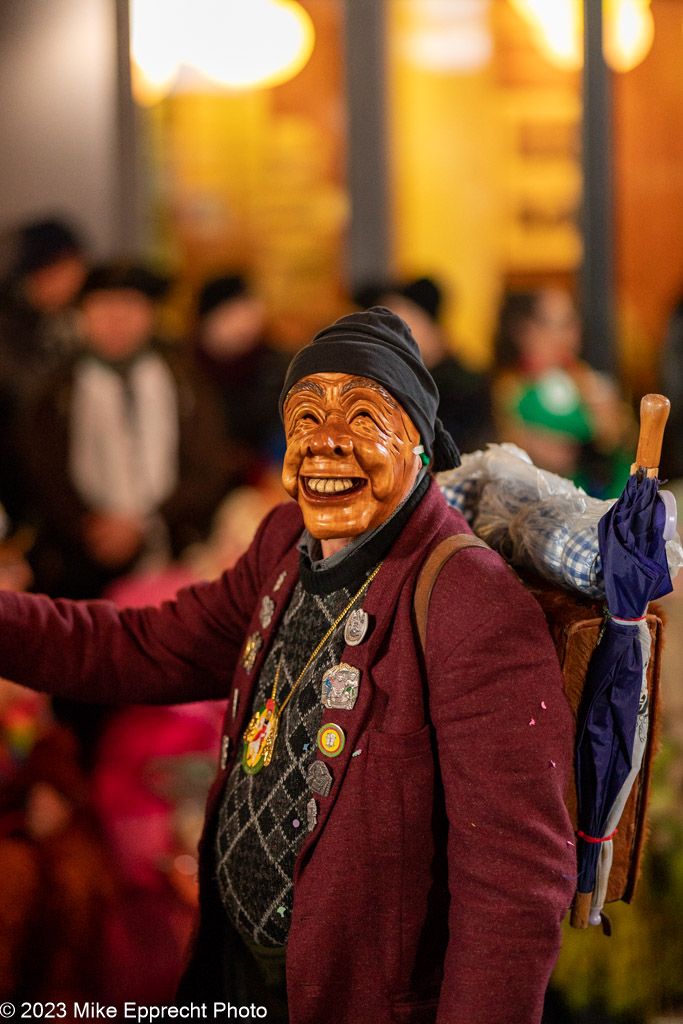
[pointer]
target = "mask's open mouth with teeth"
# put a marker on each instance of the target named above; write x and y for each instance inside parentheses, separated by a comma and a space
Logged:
(329, 487)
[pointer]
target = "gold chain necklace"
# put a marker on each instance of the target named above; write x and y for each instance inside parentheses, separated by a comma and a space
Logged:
(261, 733)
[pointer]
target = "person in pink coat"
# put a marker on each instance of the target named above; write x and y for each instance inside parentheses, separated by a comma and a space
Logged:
(397, 849)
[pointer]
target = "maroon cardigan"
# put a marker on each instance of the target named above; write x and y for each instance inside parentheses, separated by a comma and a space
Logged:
(434, 883)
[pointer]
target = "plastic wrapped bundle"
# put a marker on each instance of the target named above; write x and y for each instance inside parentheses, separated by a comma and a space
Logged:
(535, 519)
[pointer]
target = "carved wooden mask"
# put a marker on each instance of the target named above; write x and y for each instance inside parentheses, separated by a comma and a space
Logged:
(349, 459)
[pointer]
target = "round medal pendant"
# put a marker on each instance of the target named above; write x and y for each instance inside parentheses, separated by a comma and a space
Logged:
(259, 738)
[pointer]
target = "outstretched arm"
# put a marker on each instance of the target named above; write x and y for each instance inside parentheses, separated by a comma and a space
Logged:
(184, 651)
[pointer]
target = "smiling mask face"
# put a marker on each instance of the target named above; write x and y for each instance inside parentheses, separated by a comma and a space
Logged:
(349, 459)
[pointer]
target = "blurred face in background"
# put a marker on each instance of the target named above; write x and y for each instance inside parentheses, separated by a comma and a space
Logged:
(233, 328)
(426, 332)
(47, 811)
(551, 337)
(55, 287)
(117, 323)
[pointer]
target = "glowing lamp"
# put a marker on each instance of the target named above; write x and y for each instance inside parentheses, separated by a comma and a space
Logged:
(629, 32)
(629, 29)
(557, 27)
(230, 44)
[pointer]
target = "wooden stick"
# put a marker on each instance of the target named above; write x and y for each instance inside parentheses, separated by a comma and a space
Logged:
(581, 908)
(654, 412)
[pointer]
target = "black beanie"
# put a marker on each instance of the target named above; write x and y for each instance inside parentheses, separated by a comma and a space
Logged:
(379, 345)
(114, 277)
(43, 243)
(218, 290)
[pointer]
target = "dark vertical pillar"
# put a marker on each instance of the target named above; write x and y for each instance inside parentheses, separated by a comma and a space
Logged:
(128, 224)
(367, 131)
(597, 273)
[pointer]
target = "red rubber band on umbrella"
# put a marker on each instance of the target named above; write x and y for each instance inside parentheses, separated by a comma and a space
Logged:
(593, 839)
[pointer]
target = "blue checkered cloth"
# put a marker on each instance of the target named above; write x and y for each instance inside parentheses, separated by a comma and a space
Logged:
(581, 564)
(568, 557)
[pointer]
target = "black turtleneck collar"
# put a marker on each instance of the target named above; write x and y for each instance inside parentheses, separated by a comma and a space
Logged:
(352, 569)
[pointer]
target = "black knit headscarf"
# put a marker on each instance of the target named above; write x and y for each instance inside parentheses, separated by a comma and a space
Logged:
(379, 345)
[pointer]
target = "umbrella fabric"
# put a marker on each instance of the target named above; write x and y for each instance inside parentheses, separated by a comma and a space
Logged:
(633, 550)
(607, 725)
(609, 748)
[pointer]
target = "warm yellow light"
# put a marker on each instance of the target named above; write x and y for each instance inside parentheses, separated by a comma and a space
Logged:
(557, 28)
(444, 36)
(235, 44)
(629, 29)
(250, 43)
(155, 46)
(629, 32)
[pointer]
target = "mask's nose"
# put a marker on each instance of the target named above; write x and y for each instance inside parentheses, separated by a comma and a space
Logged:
(331, 437)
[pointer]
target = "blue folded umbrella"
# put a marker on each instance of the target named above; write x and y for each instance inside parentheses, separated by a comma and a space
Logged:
(609, 743)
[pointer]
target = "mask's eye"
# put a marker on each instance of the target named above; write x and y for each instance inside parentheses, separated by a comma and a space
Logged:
(361, 416)
(306, 419)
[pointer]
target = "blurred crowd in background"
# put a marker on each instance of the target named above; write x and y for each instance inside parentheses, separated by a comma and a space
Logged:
(133, 463)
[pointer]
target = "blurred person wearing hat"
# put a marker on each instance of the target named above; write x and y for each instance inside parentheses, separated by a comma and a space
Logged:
(233, 350)
(124, 446)
(464, 395)
(45, 266)
(386, 838)
(44, 273)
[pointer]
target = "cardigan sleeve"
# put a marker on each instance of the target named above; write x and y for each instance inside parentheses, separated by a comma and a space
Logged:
(186, 650)
(505, 745)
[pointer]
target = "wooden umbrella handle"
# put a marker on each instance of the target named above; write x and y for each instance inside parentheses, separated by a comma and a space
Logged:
(581, 908)
(654, 412)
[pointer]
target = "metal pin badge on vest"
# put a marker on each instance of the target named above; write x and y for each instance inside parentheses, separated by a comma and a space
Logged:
(340, 687)
(356, 627)
(266, 613)
(225, 751)
(253, 645)
(235, 703)
(331, 739)
(318, 778)
(312, 814)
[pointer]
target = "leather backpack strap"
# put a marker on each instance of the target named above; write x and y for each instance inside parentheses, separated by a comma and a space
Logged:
(430, 573)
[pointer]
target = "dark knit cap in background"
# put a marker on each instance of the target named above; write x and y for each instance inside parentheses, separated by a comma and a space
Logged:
(108, 277)
(379, 345)
(424, 292)
(43, 243)
(218, 290)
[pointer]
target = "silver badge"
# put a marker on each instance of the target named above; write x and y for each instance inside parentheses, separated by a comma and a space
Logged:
(253, 645)
(340, 687)
(266, 613)
(235, 703)
(225, 750)
(318, 778)
(356, 627)
(312, 814)
(280, 580)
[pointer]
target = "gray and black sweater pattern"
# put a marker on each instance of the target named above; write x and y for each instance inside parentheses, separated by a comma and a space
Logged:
(262, 822)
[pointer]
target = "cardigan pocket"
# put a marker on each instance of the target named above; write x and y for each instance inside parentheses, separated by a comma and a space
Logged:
(401, 745)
